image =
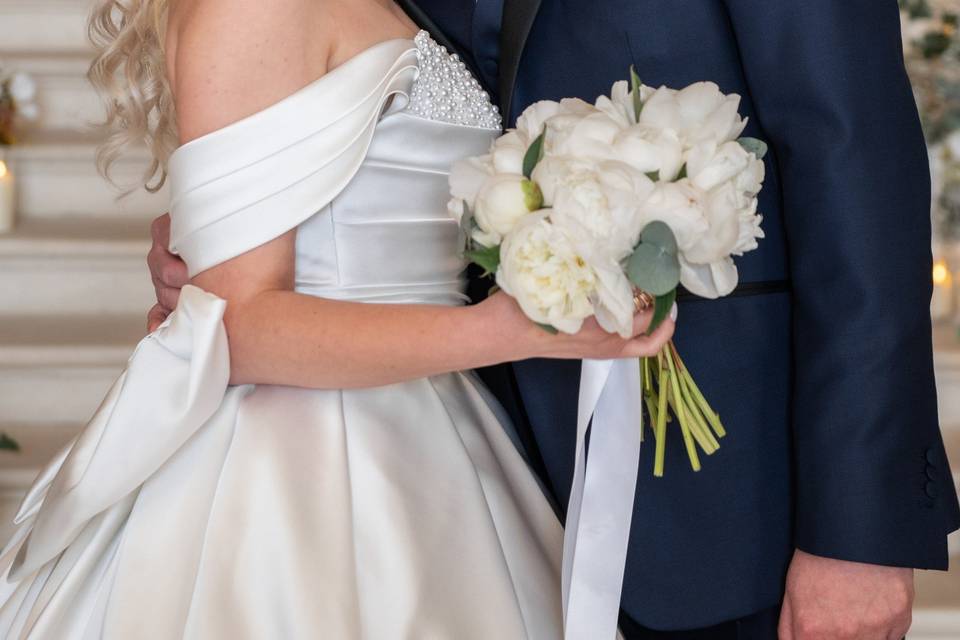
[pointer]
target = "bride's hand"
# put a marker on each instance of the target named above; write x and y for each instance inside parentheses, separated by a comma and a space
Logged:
(591, 342)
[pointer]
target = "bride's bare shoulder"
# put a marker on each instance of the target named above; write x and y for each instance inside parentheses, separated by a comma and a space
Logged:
(228, 59)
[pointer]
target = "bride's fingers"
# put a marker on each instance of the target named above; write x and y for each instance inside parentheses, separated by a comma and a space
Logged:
(641, 320)
(644, 346)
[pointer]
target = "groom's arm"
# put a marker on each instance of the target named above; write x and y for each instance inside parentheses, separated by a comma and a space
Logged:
(834, 101)
(872, 481)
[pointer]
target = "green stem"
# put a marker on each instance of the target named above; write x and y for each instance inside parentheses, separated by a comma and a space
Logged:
(688, 440)
(661, 430)
(712, 417)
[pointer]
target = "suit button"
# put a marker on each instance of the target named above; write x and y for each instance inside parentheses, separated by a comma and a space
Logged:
(931, 490)
(930, 456)
(931, 472)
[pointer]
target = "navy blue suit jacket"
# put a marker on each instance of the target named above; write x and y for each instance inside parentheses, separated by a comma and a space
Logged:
(826, 384)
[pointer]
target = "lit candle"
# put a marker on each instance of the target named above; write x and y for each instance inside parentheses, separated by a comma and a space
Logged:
(7, 198)
(942, 304)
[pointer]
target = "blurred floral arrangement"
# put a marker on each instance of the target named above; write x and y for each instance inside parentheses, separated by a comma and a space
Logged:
(18, 92)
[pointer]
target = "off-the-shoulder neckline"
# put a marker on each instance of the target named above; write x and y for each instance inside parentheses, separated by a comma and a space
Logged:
(327, 77)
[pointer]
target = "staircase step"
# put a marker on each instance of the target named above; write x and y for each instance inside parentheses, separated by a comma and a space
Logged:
(44, 25)
(55, 371)
(66, 99)
(57, 177)
(68, 267)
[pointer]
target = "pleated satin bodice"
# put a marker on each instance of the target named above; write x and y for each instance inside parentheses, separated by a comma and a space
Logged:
(365, 184)
(388, 236)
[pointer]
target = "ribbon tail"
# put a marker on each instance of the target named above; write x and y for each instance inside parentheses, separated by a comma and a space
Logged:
(601, 499)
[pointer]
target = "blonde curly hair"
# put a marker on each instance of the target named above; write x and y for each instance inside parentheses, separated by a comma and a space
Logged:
(129, 71)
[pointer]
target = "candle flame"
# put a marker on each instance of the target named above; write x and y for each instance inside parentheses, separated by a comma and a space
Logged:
(3, 169)
(941, 274)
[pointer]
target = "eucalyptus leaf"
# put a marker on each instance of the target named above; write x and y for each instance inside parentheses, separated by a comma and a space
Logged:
(683, 172)
(661, 309)
(654, 175)
(659, 234)
(755, 146)
(534, 155)
(653, 269)
(635, 93)
(488, 258)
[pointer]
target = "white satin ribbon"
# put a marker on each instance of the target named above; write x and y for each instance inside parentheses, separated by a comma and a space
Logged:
(601, 500)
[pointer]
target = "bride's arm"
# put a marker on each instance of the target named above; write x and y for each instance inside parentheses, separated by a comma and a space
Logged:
(228, 65)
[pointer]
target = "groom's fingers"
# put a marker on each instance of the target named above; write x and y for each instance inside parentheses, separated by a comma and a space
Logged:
(785, 628)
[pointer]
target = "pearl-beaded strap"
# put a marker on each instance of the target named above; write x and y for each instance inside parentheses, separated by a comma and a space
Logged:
(447, 91)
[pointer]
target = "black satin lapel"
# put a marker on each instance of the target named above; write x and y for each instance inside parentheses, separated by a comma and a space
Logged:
(518, 17)
(423, 21)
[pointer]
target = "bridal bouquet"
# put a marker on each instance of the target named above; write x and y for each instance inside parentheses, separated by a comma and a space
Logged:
(585, 209)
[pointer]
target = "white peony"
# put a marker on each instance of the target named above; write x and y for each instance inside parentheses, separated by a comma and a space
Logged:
(650, 149)
(710, 164)
(698, 113)
(549, 279)
(619, 104)
(551, 171)
(468, 176)
(584, 136)
(531, 122)
(503, 200)
(707, 226)
(600, 207)
(613, 299)
(508, 151)
(713, 280)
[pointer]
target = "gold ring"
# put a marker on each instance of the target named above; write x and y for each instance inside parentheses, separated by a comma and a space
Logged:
(642, 300)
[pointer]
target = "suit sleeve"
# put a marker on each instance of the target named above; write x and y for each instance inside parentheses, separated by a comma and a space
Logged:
(832, 97)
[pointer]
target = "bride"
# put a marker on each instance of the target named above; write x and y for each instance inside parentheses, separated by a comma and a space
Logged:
(295, 452)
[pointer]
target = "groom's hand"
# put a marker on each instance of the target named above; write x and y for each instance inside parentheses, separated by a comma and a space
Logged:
(840, 600)
(169, 273)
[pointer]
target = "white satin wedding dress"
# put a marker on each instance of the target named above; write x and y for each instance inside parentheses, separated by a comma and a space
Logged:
(188, 508)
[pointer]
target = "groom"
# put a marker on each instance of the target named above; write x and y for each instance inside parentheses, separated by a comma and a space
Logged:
(833, 483)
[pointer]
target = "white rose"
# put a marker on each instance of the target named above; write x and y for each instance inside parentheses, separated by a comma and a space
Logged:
(22, 87)
(468, 176)
(503, 200)
(651, 149)
(698, 113)
(508, 152)
(709, 164)
(601, 208)
(551, 282)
